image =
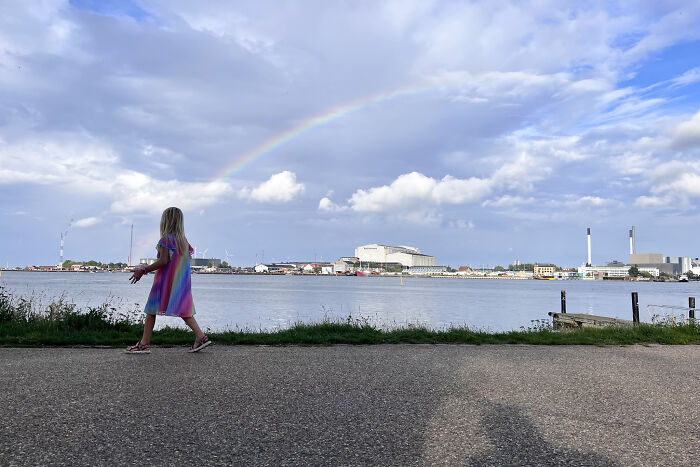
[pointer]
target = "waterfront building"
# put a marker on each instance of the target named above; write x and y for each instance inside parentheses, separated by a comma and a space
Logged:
(617, 270)
(344, 265)
(426, 270)
(568, 274)
(682, 264)
(195, 263)
(672, 265)
(646, 258)
(543, 270)
(200, 263)
(404, 255)
(274, 268)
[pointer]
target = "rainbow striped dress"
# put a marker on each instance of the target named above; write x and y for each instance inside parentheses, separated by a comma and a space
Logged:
(171, 293)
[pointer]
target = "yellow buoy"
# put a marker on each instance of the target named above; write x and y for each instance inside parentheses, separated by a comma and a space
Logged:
(401, 279)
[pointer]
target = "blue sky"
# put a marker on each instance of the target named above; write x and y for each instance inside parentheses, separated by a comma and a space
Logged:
(526, 122)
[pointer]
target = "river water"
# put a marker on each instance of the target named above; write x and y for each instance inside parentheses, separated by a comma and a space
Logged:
(277, 302)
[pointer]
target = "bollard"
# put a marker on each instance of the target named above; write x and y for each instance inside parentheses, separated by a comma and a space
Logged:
(635, 307)
(563, 301)
(691, 308)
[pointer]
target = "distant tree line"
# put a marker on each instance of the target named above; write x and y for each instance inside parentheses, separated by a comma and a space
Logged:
(68, 263)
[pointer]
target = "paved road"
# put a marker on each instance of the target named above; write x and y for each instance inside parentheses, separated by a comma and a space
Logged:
(376, 405)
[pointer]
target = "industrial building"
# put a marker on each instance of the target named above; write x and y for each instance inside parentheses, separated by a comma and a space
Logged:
(195, 263)
(612, 270)
(404, 255)
(673, 265)
(426, 270)
(653, 263)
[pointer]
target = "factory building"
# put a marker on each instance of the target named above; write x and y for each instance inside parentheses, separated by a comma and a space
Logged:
(426, 270)
(646, 258)
(683, 264)
(404, 255)
(195, 263)
(205, 262)
(674, 265)
(653, 263)
(612, 270)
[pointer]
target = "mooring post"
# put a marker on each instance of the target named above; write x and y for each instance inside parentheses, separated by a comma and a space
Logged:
(691, 308)
(635, 307)
(563, 301)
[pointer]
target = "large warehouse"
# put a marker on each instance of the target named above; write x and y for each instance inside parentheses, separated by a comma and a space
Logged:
(405, 255)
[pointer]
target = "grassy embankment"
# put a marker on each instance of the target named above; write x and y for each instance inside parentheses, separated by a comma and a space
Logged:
(24, 322)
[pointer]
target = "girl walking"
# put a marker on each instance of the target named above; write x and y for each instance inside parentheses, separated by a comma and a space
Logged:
(171, 293)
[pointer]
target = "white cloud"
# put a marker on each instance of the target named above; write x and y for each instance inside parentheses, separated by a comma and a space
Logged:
(523, 172)
(137, 192)
(86, 222)
(77, 162)
(653, 201)
(325, 204)
(572, 201)
(689, 77)
(593, 200)
(461, 224)
(507, 201)
(281, 187)
(688, 133)
(82, 164)
(687, 183)
(416, 188)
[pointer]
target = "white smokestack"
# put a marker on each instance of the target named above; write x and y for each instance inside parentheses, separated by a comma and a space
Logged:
(631, 242)
(589, 247)
(634, 241)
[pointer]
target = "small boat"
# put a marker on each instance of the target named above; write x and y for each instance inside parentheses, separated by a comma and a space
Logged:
(361, 273)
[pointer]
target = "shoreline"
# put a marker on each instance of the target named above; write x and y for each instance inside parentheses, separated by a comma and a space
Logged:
(395, 275)
(94, 330)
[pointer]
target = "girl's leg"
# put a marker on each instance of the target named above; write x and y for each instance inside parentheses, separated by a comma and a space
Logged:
(148, 329)
(192, 323)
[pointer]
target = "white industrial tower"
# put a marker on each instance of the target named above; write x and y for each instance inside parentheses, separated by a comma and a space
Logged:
(63, 238)
(589, 248)
(131, 245)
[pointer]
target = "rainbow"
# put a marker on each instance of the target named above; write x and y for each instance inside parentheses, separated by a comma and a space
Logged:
(316, 121)
(280, 139)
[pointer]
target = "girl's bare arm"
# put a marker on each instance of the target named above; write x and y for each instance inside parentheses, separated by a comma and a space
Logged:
(163, 259)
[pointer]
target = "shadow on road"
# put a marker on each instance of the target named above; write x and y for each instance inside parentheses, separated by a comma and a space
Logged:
(518, 442)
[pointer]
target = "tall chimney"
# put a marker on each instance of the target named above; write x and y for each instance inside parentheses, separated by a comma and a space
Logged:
(589, 247)
(634, 241)
(631, 242)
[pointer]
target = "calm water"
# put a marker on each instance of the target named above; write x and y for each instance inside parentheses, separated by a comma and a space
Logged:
(273, 302)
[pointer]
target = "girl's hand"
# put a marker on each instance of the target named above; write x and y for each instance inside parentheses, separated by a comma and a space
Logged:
(136, 275)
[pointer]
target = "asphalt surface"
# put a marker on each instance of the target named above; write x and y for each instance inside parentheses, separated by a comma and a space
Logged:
(374, 405)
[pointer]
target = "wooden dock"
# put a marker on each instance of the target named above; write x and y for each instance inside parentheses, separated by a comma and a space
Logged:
(580, 321)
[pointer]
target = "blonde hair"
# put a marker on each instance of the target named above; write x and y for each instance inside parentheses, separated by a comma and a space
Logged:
(173, 222)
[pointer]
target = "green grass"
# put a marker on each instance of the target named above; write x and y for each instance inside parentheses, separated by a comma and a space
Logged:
(24, 322)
